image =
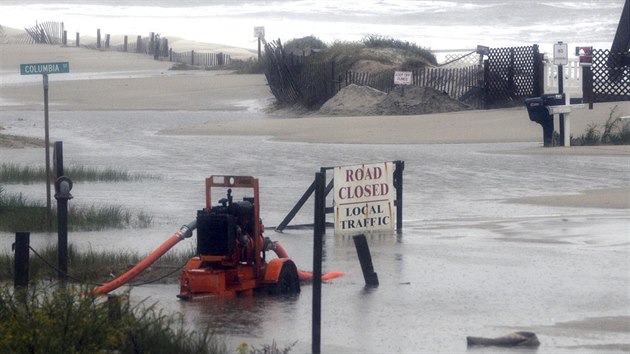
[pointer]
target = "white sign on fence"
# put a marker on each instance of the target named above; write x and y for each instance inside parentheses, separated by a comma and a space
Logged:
(402, 77)
(560, 54)
(364, 198)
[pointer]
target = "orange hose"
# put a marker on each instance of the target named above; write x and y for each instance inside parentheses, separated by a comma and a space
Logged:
(282, 253)
(186, 231)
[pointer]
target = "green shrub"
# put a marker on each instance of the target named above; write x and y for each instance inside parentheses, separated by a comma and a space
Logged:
(36, 320)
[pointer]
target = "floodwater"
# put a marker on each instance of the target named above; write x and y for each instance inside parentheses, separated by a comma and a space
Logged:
(466, 264)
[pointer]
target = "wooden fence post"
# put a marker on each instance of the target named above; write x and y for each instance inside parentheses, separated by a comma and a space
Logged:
(98, 38)
(320, 214)
(125, 43)
(65, 38)
(365, 259)
(139, 44)
(107, 41)
(151, 43)
(21, 259)
(77, 40)
(192, 57)
(398, 184)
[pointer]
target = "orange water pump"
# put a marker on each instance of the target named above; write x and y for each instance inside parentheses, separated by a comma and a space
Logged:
(231, 248)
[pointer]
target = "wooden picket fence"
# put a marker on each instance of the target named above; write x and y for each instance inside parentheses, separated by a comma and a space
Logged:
(464, 84)
(308, 84)
(54, 33)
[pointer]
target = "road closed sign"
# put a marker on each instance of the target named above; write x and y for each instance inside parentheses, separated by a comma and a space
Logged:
(364, 198)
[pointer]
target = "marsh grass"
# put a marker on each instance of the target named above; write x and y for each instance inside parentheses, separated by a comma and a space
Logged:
(97, 267)
(15, 173)
(18, 213)
(39, 320)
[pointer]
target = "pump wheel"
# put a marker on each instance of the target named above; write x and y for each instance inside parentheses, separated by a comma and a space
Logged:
(288, 281)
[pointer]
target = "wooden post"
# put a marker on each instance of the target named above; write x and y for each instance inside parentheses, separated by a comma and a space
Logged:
(259, 49)
(125, 43)
(151, 43)
(332, 78)
(77, 40)
(587, 85)
(398, 184)
(107, 41)
(114, 307)
(98, 38)
(320, 222)
(139, 44)
(320, 214)
(192, 57)
(363, 252)
(21, 259)
(64, 39)
(486, 85)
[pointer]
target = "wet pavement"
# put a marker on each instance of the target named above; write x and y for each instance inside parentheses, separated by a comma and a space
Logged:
(466, 264)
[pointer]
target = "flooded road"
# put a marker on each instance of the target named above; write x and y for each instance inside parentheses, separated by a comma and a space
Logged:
(468, 263)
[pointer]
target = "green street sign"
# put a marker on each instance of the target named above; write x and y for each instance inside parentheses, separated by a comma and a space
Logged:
(45, 68)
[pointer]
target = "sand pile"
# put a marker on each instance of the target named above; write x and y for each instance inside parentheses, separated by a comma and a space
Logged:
(354, 100)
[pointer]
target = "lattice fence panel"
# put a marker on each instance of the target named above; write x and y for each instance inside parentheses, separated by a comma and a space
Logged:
(510, 74)
(457, 60)
(611, 78)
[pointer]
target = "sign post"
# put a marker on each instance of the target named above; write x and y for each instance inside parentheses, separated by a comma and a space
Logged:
(259, 32)
(44, 69)
(403, 78)
(586, 61)
(560, 58)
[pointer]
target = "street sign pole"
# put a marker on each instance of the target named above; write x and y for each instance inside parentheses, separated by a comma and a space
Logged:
(47, 149)
(44, 69)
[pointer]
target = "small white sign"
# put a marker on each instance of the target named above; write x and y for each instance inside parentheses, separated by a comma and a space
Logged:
(560, 54)
(402, 77)
(364, 198)
(259, 32)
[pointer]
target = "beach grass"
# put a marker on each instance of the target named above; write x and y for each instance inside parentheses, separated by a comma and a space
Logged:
(614, 131)
(73, 320)
(26, 174)
(378, 41)
(347, 53)
(18, 213)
